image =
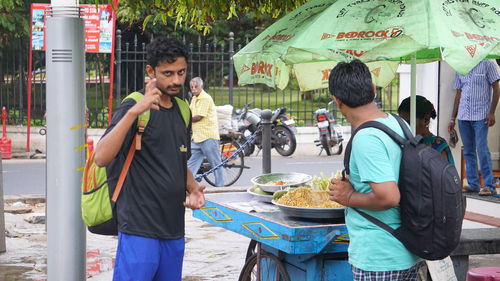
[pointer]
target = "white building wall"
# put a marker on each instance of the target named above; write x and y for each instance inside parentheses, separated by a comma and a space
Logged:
(427, 85)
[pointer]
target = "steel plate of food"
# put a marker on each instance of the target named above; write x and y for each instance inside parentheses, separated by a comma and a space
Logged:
(279, 181)
(305, 202)
(260, 194)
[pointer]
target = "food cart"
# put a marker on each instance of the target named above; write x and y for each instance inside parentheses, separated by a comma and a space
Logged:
(288, 248)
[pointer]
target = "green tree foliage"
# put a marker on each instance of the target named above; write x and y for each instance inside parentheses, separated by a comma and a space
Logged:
(14, 21)
(200, 14)
(184, 15)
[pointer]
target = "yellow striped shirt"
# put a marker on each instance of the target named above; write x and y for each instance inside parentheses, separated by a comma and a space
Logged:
(207, 128)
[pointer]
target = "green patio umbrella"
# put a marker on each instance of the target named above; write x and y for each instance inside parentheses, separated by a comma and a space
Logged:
(462, 33)
(311, 74)
(314, 75)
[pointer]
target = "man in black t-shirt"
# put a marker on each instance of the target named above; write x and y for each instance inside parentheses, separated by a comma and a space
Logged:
(158, 186)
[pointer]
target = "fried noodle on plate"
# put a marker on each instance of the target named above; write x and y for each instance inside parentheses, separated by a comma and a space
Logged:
(307, 198)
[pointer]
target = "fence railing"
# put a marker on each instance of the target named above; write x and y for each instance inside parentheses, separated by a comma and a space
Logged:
(13, 82)
(209, 58)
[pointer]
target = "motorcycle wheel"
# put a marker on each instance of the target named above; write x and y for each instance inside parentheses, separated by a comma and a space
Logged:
(325, 142)
(337, 149)
(284, 140)
(247, 151)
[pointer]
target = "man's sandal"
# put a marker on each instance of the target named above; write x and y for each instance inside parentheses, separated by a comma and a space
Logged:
(485, 192)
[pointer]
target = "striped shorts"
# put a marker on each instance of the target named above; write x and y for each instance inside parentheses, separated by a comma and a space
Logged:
(409, 274)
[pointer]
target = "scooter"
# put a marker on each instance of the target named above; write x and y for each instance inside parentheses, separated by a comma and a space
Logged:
(330, 134)
(283, 130)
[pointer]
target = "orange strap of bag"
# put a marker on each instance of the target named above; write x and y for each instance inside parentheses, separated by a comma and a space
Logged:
(126, 166)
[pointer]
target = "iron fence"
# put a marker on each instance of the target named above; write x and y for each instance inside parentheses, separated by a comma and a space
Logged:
(14, 86)
(12, 82)
(209, 58)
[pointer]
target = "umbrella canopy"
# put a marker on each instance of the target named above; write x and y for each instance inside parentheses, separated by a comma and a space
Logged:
(462, 33)
(311, 73)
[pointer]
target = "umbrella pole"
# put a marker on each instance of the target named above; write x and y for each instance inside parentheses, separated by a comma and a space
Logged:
(413, 93)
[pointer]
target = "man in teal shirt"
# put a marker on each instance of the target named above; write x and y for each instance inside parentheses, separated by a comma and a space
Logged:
(372, 186)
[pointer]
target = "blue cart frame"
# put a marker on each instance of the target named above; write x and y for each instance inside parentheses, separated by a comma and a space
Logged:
(309, 250)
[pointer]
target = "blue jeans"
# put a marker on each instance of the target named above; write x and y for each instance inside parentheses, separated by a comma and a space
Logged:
(210, 149)
(475, 139)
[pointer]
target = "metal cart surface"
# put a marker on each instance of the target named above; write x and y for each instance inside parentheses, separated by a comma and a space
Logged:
(312, 250)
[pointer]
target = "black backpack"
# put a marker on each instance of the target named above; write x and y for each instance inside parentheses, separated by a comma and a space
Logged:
(432, 205)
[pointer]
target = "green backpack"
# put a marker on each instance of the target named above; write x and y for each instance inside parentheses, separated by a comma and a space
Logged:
(97, 207)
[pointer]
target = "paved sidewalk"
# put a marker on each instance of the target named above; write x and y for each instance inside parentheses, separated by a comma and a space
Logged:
(212, 253)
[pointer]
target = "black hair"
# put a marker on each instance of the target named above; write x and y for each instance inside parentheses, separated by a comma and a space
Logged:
(351, 83)
(424, 107)
(163, 49)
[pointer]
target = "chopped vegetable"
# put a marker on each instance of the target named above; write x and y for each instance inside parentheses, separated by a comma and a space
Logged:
(277, 195)
(322, 182)
(279, 182)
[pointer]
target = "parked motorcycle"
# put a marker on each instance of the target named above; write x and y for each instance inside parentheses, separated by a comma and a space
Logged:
(330, 134)
(283, 129)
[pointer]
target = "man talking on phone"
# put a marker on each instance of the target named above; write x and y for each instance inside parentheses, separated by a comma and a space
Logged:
(158, 186)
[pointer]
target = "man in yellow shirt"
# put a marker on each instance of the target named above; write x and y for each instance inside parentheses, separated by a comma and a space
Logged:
(205, 141)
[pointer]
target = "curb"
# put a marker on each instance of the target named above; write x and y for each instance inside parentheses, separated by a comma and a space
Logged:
(304, 135)
(27, 198)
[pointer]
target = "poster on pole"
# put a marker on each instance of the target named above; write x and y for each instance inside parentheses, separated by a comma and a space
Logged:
(98, 31)
(38, 26)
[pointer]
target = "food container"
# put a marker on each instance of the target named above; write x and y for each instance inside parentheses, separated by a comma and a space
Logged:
(260, 196)
(311, 213)
(278, 181)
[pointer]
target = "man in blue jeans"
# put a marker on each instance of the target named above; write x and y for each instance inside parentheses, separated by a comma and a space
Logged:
(474, 108)
(205, 140)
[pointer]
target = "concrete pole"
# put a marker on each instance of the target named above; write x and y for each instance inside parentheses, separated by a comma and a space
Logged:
(2, 219)
(413, 94)
(65, 61)
(266, 140)
(231, 67)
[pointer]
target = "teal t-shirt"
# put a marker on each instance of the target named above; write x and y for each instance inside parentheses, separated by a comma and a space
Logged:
(375, 157)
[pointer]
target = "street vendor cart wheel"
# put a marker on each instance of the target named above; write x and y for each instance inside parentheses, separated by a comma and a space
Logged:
(271, 268)
(251, 250)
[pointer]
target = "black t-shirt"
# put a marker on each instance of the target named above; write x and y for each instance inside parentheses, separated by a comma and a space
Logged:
(152, 196)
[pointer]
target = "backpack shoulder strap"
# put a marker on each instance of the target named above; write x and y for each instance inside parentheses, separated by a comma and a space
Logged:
(143, 119)
(123, 173)
(184, 109)
(347, 156)
(370, 124)
(408, 134)
(376, 222)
